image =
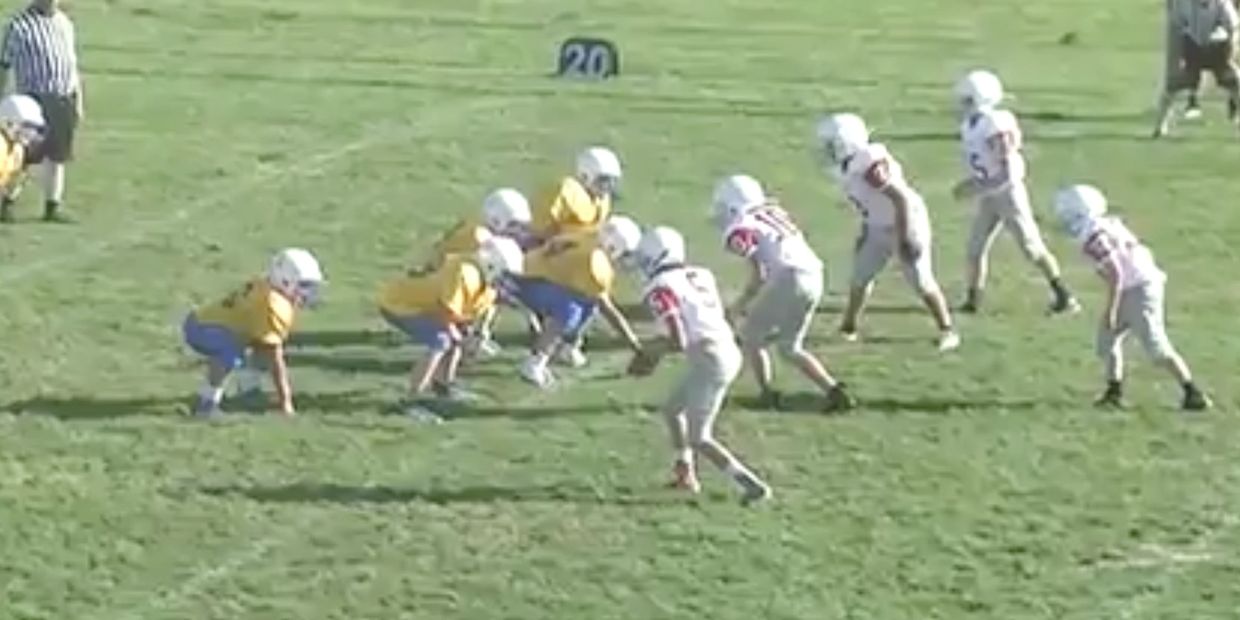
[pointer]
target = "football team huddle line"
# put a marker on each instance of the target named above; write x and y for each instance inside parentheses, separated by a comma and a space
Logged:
(559, 264)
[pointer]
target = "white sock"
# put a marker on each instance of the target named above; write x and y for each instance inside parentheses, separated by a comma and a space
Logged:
(685, 456)
(211, 393)
(53, 181)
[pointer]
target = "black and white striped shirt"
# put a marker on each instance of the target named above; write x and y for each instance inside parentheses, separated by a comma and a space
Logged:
(41, 49)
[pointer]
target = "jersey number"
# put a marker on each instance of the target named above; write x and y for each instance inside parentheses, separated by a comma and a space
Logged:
(865, 213)
(556, 247)
(778, 220)
(706, 295)
(236, 296)
(975, 164)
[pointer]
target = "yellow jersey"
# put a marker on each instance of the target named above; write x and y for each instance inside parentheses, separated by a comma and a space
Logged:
(455, 291)
(568, 207)
(463, 238)
(256, 313)
(12, 159)
(574, 261)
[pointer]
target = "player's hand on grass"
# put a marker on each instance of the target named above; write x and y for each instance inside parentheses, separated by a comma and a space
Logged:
(643, 363)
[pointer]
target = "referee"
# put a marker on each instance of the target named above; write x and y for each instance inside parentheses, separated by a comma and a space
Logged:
(41, 49)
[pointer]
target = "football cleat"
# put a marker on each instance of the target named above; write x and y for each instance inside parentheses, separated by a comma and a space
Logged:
(537, 373)
(948, 341)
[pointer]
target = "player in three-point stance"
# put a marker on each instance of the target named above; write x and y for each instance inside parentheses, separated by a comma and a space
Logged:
(576, 204)
(247, 330)
(505, 213)
(1135, 292)
(566, 280)
(894, 220)
(784, 288)
(434, 306)
(685, 299)
(992, 141)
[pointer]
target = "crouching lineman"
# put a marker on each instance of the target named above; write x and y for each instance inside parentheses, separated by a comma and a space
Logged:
(784, 287)
(505, 213)
(991, 141)
(894, 220)
(1135, 287)
(434, 307)
(686, 300)
(582, 201)
(21, 128)
(579, 203)
(566, 279)
(257, 319)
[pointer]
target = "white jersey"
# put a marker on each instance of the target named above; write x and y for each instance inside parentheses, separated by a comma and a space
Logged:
(768, 235)
(1107, 239)
(690, 296)
(992, 141)
(866, 175)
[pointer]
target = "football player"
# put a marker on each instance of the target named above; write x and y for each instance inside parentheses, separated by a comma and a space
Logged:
(685, 299)
(991, 141)
(257, 317)
(566, 279)
(1135, 287)
(894, 220)
(21, 127)
(581, 202)
(434, 307)
(506, 213)
(784, 288)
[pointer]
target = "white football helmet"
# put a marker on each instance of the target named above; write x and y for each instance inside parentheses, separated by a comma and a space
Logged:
(296, 273)
(619, 237)
(598, 168)
(660, 247)
(734, 196)
(506, 212)
(500, 256)
(1076, 206)
(842, 136)
(978, 90)
(22, 117)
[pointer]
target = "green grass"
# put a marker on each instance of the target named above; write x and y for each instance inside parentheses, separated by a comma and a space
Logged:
(979, 485)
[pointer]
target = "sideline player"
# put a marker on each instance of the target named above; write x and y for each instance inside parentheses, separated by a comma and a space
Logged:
(1135, 293)
(434, 307)
(894, 220)
(566, 279)
(257, 317)
(685, 299)
(1201, 35)
(784, 288)
(992, 141)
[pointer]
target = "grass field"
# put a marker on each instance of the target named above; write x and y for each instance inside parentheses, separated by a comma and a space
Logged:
(979, 485)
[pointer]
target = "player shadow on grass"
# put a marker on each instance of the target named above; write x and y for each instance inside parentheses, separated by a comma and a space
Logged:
(809, 402)
(101, 408)
(838, 309)
(331, 493)
(345, 337)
